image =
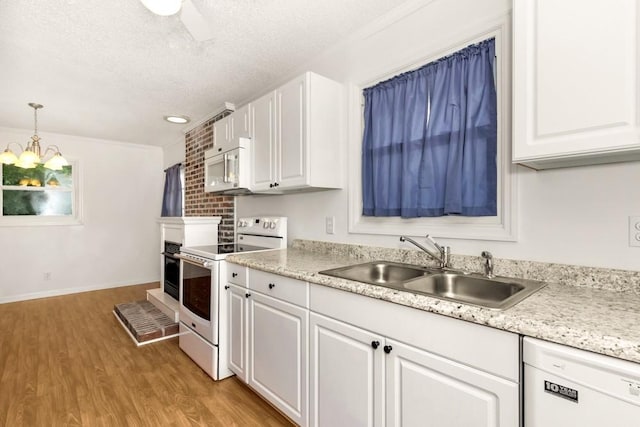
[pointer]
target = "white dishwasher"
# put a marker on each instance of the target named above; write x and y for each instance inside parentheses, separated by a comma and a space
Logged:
(564, 386)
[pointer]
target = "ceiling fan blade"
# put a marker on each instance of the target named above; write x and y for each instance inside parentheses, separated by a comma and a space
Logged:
(195, 23)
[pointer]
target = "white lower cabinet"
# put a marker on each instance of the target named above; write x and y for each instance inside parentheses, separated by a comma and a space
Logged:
(330, 358)
(426, 389)
(362, 372)
(238, 338)
(347, 374)
(359, 378)
(278, 354)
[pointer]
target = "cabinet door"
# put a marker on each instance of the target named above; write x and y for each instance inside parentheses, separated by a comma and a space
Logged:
(291, 136)
(222, 134)
(278, 354)
(576, 96)
(241, 126)
(262, 113)
(238, 338)
(346, 375)
(426, 389)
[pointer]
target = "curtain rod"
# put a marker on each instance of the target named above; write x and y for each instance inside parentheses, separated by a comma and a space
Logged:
(177, 164)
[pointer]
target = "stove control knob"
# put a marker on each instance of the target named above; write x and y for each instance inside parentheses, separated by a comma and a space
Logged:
(240, 224)
(272, 225)
(265, 224)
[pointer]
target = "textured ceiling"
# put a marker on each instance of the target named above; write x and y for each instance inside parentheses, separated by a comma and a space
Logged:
(112, 69)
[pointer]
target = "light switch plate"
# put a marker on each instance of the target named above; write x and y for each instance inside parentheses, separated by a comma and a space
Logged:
(634, 231)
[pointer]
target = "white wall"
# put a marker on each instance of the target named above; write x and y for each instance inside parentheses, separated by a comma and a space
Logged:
(570, 216)
(118, 242)
(174, 153)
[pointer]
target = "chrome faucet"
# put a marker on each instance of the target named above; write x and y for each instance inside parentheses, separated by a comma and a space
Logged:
(488, 264)
(443, 252)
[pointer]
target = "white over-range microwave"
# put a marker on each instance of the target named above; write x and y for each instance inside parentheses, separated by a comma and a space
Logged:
(227, 168)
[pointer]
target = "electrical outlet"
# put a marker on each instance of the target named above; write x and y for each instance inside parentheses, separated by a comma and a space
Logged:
(330, 223)
(634, 231)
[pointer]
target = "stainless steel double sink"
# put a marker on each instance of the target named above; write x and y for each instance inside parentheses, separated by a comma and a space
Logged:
(497, 293)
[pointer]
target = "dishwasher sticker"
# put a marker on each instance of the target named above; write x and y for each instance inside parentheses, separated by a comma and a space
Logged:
(562, 391)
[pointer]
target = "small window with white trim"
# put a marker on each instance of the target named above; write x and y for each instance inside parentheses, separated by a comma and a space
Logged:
(39, 196)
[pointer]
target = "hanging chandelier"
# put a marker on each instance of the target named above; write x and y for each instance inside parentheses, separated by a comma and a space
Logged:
(31, 156)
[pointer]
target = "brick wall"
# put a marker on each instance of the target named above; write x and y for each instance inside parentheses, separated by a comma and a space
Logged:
(197, 202)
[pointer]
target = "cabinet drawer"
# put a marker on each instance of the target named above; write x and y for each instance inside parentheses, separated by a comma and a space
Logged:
(237, 274)
(283, 288)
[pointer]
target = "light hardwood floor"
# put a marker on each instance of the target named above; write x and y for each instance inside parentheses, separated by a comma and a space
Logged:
(67, 361)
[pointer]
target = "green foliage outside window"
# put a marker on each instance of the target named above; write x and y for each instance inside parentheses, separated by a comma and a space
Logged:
(21, 194)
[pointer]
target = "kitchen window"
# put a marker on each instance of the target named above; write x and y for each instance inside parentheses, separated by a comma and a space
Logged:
(39, 196)
(429, 146)
(498, 226)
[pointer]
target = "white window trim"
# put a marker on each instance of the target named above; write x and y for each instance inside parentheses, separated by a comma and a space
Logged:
(52, 220)
(501, 227)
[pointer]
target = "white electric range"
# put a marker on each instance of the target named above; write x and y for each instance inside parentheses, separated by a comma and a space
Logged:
(203, 303)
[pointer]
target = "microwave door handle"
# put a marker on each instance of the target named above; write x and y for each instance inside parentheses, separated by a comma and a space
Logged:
(225, 160)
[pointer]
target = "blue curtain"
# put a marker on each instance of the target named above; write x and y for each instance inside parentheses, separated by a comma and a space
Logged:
(172, 197)
(430, 139)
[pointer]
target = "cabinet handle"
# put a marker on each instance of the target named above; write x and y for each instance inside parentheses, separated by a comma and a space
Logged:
(375, 344)
(272, 285)
(226, 286)
(387, 349)
(247, 295)
(271, 185)
(219, 149)
(275, 184)
(234, 274)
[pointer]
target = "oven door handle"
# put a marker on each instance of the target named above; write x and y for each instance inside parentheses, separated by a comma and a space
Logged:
(169, 254)
(204, 264)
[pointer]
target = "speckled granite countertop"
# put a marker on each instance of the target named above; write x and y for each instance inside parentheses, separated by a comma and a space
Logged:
(599, 320)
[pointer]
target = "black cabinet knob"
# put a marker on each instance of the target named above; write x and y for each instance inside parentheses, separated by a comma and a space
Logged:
(219, 149)
(234, 274)
(226, 286)
(271, 185)
(275, 184)
(272, 285)
(387, 349)
(247, 295)
(194, 325)
(375, 344)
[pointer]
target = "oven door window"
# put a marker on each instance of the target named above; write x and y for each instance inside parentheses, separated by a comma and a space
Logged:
(171, 275)
(196, 290)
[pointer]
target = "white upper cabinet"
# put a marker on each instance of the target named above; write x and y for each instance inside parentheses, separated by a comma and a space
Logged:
(223, 134)
(262, 115)
(227, 130)
(240, 123)
(575, 82)
(291, 125)
(296, 136)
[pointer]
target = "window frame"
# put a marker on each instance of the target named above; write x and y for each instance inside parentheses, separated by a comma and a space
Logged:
(501, 227)
(50, 220)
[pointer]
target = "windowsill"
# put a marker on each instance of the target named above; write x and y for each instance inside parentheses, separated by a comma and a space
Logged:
(34, 221)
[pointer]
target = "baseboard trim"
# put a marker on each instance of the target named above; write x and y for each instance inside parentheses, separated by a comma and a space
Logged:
(67, 291)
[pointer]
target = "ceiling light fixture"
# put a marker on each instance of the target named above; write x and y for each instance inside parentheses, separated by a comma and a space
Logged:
(177, 119)
(30, 156)
(163, 7)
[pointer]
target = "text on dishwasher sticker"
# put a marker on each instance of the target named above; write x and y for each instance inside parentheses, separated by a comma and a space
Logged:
(562, 391)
